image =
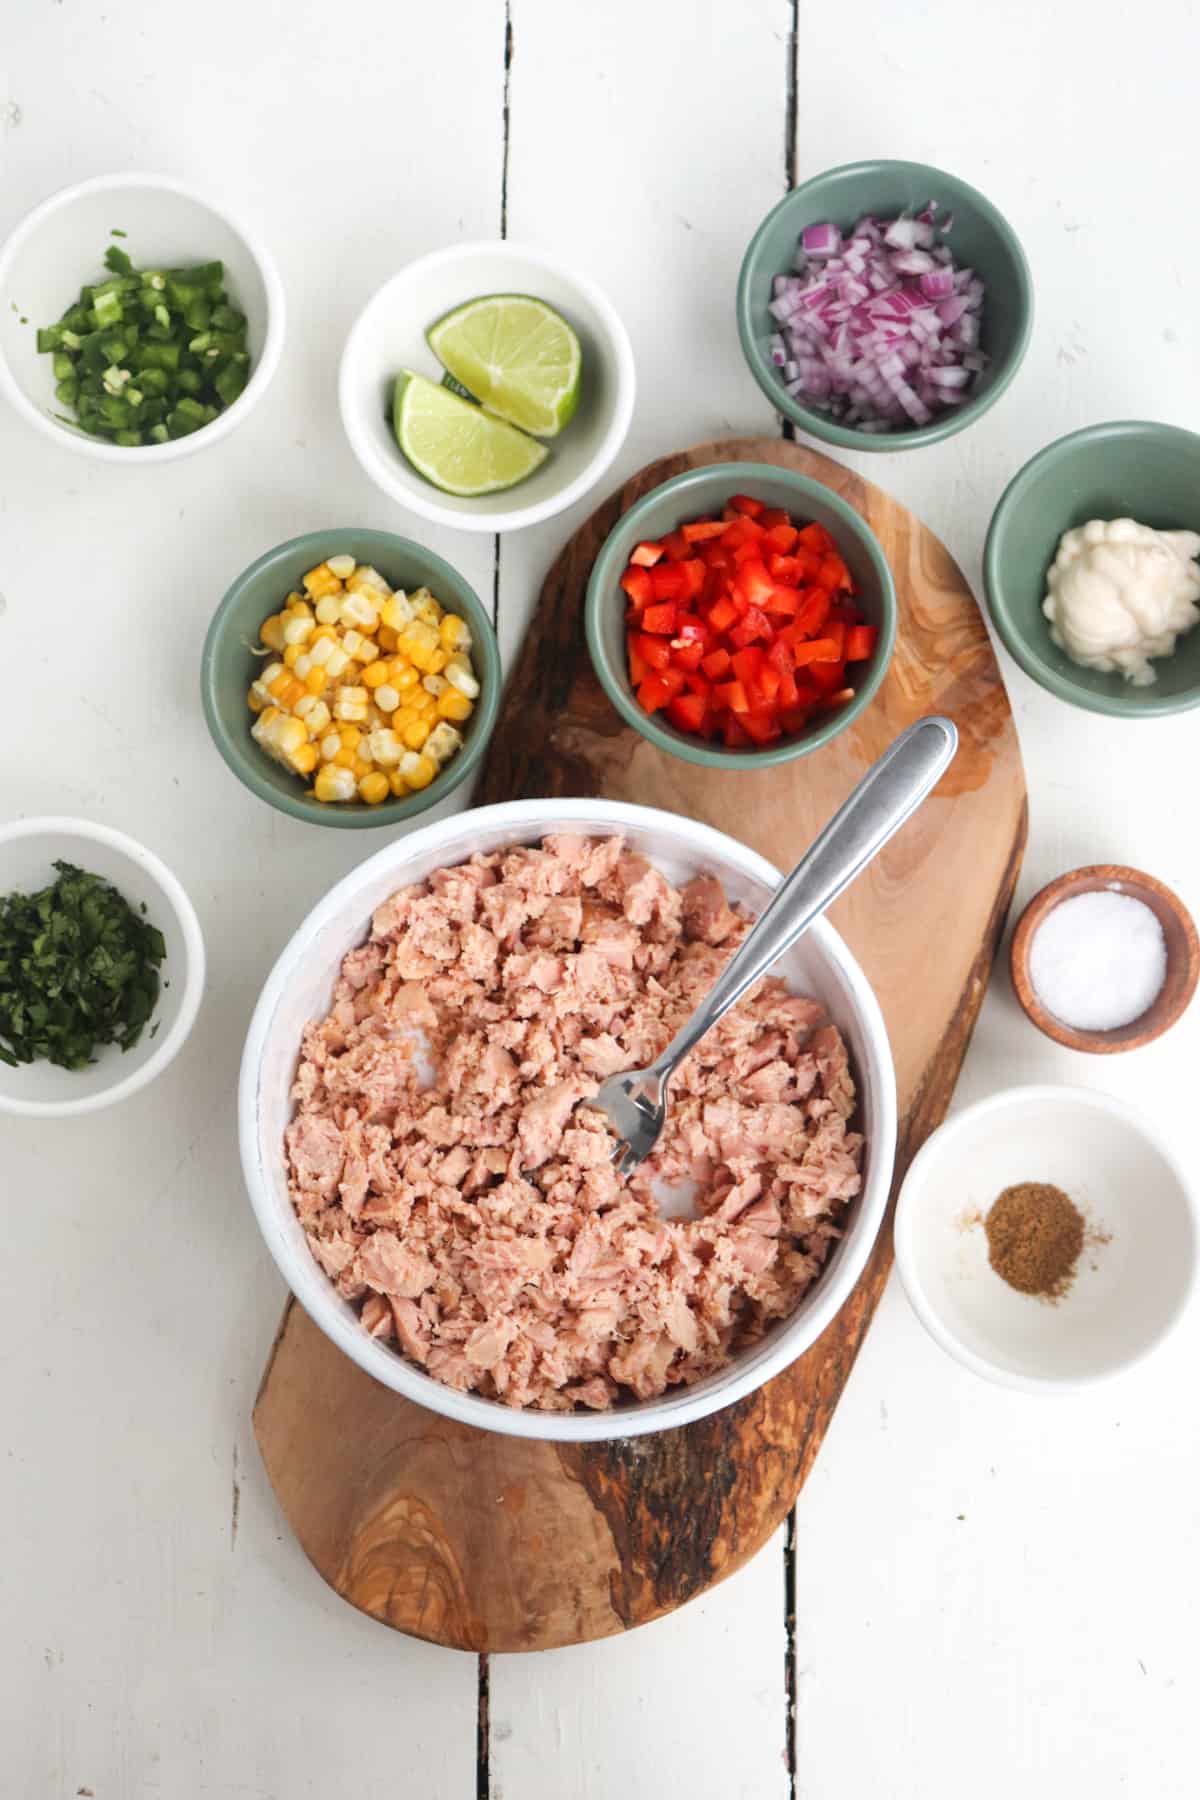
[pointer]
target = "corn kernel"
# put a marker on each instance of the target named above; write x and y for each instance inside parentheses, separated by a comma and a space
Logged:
(254, 702)
(314, 681)
(362, 765)
(291, 655)
(398, 784)
(298, 631)
(331, 745)
(271, 632)
(463, 680)
(374, 787)
(453, 705)
(404, 675)
(386, 698)
(329, 609)
(386, 638)
(436, 661)
(397, 613)
(425, 607)
(423, 704)
(418, 771)
(304, 760)
(286, 690)
(315, 714)
(358, 609)
(455, 633)
(336, 663)
(334, 784)
(365, 576)
(341, 566)
(418, 636)
(352, 710)
(375, 673)
(297, 608)
(435, 685)
(414, 735)
(321, 581)
(351, 737)
(345, 759)
(385, 748)
(443, 742)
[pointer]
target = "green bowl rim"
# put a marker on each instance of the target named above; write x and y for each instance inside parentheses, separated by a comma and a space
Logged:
(705, 757)
(1126, 705)
(353, 815)
(827, 429)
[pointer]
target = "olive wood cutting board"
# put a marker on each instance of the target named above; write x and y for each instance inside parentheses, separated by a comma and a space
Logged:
(493, 1543)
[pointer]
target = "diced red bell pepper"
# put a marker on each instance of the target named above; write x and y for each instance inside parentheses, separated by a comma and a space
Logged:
(731, 731)
(786, 569)
(639, 668)
(754, 626)
(767, 683)
(690, 625)
(716, 664)
(675, 547)
(784, 602)
(833, 573)
(660, 619)
(668, 582)
(741, 531)
(686, 654)
(815, 537)
(699, 684)
(747, 505)
(723, 614)
(860, 642)
(703, 531)
(816, 650)
(636, 583)
(644, 556)
(731, 694)
(780, 538)
(754, 583)
(788, 693)
(686, 711)
(835, 633)
(813, 613)
(793, 719)
(782, 656)
(763, 727)
(772, 516)
(747, 663)
(827, 676)
(653, 692)
(655, 652)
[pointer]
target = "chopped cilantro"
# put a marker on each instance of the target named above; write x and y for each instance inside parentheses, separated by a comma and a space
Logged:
(78, 968)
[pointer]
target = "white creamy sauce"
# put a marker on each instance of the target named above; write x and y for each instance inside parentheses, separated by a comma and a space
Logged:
(1120, 593)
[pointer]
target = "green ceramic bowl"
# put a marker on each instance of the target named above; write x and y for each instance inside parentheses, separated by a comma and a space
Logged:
(706, 491)
(229, 665)
(979, 237)
(1132, 469)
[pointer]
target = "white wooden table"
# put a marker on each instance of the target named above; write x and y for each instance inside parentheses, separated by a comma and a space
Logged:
(992, 1594)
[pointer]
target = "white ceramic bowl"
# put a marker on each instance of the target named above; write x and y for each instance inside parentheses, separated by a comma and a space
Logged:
(1128, 1292)
(389, 335)
(28, 852)
(299, 989)
(60, 246)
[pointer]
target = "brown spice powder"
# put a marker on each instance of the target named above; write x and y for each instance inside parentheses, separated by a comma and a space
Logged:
(1035, 1233)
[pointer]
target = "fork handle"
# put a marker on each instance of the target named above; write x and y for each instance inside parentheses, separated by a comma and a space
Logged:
(888, 794)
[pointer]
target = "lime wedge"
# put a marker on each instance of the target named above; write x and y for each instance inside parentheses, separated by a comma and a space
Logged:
(516, 355)
(455, 444)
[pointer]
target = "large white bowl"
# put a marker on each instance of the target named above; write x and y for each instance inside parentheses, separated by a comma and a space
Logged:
(1128, 1292)
(299, 989)
(389, 335)
(60, 245)
(28, 851)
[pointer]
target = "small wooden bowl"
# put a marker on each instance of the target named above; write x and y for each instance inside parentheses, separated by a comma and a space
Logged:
(1183, 957)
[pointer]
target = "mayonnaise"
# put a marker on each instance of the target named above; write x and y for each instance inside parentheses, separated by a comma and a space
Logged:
(1121, 593)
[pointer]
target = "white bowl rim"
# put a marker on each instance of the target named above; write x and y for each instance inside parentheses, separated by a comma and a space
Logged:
(429, 506)
(960, 1123)
(680, 1406)
(263, 371)
(193, 977)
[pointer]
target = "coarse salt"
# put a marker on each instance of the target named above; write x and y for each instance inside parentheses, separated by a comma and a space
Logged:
(1099, 960)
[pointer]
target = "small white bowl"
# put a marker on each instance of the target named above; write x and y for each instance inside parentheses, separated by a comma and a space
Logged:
(389, 335)
(1128, 1291)
(299, 989)
(60, 246)
(28, 852)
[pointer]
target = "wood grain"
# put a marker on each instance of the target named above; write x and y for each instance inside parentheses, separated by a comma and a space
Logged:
(491, 1543)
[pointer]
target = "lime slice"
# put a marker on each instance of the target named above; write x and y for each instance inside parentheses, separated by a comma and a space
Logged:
(516, 355)
(455, 444)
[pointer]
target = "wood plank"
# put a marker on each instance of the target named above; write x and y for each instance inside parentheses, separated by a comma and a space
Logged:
(377, 1490)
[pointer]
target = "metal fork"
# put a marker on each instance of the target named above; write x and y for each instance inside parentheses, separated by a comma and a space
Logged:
(635, 1103)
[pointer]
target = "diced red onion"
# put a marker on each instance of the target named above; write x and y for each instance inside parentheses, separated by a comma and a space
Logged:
(878, 329)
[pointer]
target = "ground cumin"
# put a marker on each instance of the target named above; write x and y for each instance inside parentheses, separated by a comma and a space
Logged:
(1035, 1234)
